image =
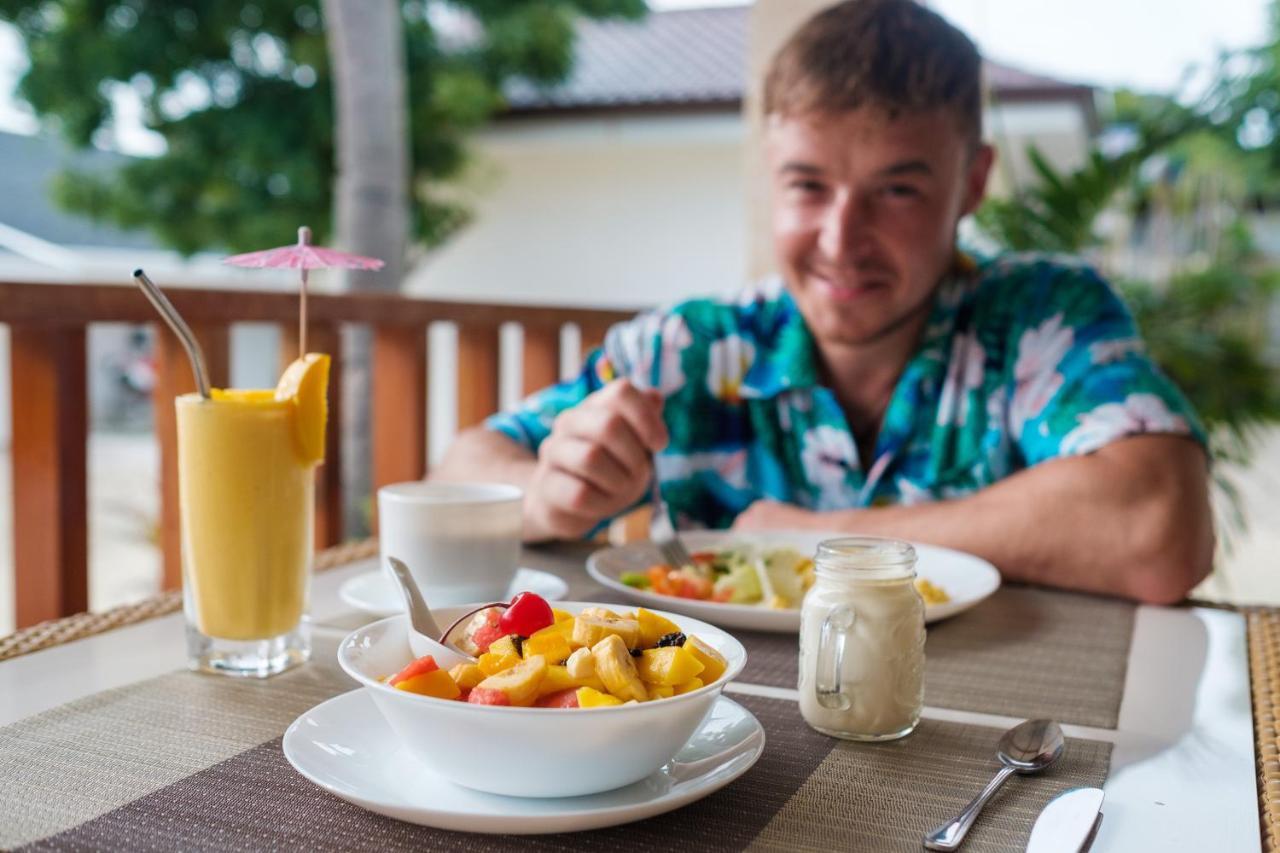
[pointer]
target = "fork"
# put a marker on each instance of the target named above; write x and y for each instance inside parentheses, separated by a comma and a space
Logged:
(663, 532)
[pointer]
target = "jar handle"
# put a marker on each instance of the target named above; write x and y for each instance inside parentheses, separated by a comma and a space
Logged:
(831, 645)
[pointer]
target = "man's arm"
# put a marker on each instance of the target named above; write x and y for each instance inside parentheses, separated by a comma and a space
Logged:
(595, 463)
(1131, 519)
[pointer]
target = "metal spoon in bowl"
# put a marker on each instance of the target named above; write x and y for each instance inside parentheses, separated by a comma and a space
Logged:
(1026, 748)
(423, 626)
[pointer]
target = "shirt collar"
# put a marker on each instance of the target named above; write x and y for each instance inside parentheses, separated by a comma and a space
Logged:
(787, 357)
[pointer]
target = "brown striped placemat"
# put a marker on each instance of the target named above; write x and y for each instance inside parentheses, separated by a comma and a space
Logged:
(1024, 652)
(193, 762)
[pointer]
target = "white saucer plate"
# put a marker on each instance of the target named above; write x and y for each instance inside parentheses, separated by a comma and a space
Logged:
(346, 747)
(965, 578)
(374, 592)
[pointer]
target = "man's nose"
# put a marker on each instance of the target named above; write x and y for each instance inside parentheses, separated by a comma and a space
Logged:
(844, 226)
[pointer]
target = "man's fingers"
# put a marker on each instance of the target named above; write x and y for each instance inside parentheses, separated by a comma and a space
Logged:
(570, 495)
(590, 461)
(610, 430)
(642, 410)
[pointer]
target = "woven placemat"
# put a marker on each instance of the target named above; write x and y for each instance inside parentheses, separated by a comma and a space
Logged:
(57, 631)
(1024, 652)
(193, 762)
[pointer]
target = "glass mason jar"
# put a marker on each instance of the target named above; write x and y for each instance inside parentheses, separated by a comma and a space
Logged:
(862, 641)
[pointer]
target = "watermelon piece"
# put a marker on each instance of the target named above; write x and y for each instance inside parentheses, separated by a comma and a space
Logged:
(421, 666)
(487, 696)
(560, 699)
(488, 632)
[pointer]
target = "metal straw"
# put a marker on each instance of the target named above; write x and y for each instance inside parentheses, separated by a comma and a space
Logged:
(180, 328)
(304, 239)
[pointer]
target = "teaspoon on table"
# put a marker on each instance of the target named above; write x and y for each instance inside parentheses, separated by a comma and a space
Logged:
(423, 629)
(1026, 748)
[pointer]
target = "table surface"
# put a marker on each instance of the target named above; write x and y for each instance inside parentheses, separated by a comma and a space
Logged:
(1182, 771)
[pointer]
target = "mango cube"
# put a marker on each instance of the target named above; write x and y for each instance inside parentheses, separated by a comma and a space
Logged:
(561, 615)
(653, 627)
(661, 691)
(550, 643)
(505, 646)
(492, 663)
(437, 683)
(556, 679)
(591, 698)
(670, 665)
(713, 663)
(468, 675)
(691, 684)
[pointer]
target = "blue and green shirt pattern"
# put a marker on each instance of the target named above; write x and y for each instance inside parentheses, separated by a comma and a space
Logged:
(1024, 358)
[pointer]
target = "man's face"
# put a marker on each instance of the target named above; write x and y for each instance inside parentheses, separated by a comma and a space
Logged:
(865, 212)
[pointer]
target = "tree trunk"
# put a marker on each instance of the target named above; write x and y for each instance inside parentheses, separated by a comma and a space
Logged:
(366, 58)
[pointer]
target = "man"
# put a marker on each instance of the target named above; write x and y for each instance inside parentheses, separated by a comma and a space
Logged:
(889, 385)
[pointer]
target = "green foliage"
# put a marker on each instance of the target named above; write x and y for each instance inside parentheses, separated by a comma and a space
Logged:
(241, 93)
(1205, 325)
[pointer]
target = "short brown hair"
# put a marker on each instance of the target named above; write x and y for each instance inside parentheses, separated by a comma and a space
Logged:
(896, 55)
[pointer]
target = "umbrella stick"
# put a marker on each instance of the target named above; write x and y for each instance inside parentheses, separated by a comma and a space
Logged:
(302, 318)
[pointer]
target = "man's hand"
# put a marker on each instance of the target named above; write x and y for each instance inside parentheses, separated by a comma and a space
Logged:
(774, 515)
(596, 462)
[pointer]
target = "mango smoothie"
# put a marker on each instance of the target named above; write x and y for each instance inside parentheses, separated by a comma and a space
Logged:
(246, 498)
(246, 481)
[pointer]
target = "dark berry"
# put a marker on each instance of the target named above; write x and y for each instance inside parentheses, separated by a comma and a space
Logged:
(635, 653)
(673, 639)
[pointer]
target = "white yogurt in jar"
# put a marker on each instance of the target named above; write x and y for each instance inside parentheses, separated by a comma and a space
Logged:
(862, 641)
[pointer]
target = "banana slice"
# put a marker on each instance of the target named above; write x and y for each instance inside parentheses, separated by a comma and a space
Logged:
(521, 681)
(581, 665)
(617, 670)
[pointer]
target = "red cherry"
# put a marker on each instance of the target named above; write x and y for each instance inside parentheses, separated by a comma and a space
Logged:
(527, 613)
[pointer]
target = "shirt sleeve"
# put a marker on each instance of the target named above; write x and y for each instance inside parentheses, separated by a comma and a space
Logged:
(1081, 377)
(628, 352)
(530, 422)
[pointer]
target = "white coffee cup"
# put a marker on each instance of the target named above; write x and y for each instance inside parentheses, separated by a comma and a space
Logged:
(461, 541)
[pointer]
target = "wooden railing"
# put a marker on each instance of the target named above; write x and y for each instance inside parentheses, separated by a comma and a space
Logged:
(48, 325)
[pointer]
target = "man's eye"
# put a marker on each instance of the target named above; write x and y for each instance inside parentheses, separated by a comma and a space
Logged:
(810, 187)
(900, 191)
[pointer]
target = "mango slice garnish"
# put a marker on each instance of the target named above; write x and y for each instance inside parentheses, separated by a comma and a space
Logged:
(305, 382)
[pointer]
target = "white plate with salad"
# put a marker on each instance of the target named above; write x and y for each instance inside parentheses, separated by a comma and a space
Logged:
(755, 581)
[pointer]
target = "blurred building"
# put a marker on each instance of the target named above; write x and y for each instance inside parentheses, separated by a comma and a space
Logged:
(631, 182)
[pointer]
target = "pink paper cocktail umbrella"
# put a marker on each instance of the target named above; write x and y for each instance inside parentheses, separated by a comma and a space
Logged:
(303, 256)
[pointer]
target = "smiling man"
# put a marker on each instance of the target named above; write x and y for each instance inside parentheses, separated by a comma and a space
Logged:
(886, 384)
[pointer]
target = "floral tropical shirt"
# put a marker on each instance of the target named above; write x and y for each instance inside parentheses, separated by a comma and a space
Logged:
(1024, 358)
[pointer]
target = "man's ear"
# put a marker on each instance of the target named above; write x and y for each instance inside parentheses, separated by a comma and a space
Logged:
(975, 185)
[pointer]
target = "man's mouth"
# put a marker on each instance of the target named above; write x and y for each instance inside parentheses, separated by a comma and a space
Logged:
(846, 291)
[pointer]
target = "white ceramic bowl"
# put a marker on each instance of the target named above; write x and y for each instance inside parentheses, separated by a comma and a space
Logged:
(532, 752)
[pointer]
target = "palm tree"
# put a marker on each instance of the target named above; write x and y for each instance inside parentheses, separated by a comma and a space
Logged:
(371, 192)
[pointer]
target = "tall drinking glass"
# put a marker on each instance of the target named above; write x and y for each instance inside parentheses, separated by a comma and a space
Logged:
(245, 497)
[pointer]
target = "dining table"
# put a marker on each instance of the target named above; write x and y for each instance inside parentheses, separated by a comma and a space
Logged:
(108, 741)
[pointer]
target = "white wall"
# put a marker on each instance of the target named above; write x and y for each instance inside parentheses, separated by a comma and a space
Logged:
(1058, 128)
(599, 211)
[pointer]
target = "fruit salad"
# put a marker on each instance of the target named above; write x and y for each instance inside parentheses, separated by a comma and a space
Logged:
(529, 654)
